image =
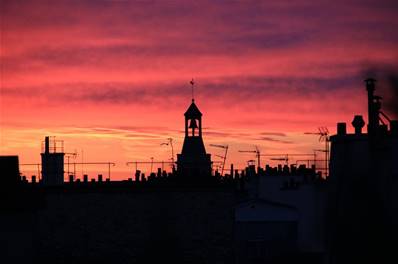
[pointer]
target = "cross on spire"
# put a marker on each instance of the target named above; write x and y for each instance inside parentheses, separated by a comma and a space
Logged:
(192, 84)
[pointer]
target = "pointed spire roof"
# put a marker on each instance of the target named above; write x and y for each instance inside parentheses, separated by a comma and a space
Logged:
(193, 111)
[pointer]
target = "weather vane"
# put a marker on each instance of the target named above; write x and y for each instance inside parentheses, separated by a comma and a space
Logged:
(192, 84)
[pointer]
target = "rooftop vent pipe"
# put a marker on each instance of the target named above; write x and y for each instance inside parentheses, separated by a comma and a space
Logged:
(358, 123)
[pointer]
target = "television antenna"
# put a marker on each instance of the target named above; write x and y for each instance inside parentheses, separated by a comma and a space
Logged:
(224, 157)
(323, 133)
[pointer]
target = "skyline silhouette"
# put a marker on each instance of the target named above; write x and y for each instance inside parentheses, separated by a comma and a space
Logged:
(214, 131)
(259, 214)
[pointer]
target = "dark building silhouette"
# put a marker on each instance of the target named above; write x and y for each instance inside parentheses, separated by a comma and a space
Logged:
(193, 162)
(9, 166)
(154, 219)
(265, 231)
(52, 162)
(281, 219)
(363, 200)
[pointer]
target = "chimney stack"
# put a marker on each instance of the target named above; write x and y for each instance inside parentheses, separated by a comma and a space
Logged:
(137, 175)
(358, 124)
(47, 145)
(373, 107)
(341, 129)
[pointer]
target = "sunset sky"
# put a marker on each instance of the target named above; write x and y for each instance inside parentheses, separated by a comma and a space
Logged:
(111, 77)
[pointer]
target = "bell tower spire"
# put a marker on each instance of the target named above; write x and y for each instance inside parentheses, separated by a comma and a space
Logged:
(193, 160)
(193, 121)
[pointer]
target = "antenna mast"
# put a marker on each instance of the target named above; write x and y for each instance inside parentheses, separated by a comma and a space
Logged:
(192, 84)
(257, 152)
(323, 136)
(170, 143)
(224, 157)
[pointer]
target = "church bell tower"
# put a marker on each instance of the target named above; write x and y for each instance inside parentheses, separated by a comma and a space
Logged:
(193, 162)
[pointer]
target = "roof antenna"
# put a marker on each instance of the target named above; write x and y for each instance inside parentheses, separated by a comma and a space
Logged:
(192, 84)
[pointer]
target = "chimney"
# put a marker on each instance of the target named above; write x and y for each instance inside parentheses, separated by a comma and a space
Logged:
(236, 174)
(99, 177)
(293, 169)
(47, 145)
(373, 113)
(358, 124)
(341, 129)
(137, 175)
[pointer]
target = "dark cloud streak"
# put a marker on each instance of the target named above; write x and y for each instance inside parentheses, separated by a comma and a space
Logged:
(278, 134)
(271, 139)
(233, 88)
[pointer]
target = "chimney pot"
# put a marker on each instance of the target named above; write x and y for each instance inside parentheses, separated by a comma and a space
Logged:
(341, 129)
(358, 123)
